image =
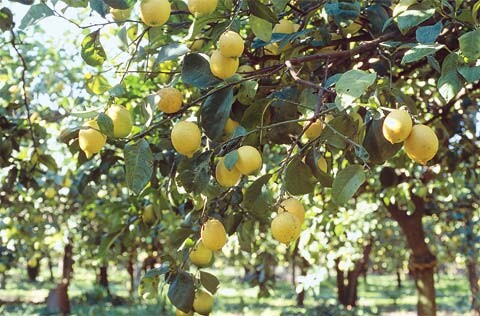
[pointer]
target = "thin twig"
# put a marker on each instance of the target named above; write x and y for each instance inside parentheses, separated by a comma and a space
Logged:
(24, 87)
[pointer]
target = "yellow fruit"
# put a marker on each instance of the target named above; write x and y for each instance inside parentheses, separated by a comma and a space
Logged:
(202, 7)
(200, 255)
(226, 178)
(3, 267)
(148, 216)
(284, 27)
(231, 44)
(294, 207)
(322, 164)
(186, 138)
(397, 126)
(422, 144)
(32, 262)
(230, 126)
(155, 12)
(286, 227)
(50, 193)
(221, 66)
(180, 313)
(170, 100)
(213, 235)
(203, 302)
(90, 139)
(314, 130)
(122, 120)
(119, 15)
(197, 45)
(272, 49)
(249, 160)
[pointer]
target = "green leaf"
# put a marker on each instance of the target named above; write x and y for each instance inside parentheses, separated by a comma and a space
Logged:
(351, 85)
(449, 85)
(230, 160)
(470, 44)
(262, 11)
(170, 52)
(182, 292)
(196, 72)
(215, 112)
(148, 287)
(248, 91)
(299, 178)
(6, 19)
(105, 124)
(413, 17)
(178, 236)
(138, 165)
(253, 199)
(92, 50)
(157, 271)
(471, 74)
(261, 28)
(194, 173)
(343, 13)
(48, 162)
(379, 149)
(346, 183)
(98, 84)
(34, 14)
(87, 114)
(428, 34)
(120, 4)
(209, 281)
(419, 51)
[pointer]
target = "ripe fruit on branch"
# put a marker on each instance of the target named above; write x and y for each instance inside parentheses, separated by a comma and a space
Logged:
(294, 207)
(186, 138)
(213, 234)
(202, 7)
(226, 178)
(170, 100)
(422, 144)
(230, 126)
(180, 313)
(148, 216)
(231, 44)
(122, 120)
(120, 15)
(221, 66)
(90, 139)
(249, 160)
(286, 227)
(203, 302)
(314, 130)
(200, 255)
(155, 12)
(322, 164)
(50, 193)
(397, 126)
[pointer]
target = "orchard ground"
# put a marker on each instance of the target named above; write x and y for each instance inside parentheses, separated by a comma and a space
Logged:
(380, 296)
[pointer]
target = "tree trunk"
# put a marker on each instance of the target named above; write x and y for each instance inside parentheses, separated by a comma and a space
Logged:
(130, 271)
(50, 268)
(303, 272)
(33, 273)
(103, 278)
(422, 261)
(399, 280)
(474, 286)
(348, 293)
(3, 280)
(67, 272)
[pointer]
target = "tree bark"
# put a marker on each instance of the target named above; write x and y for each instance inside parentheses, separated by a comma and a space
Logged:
(67, 272)
(50, 268)
(348, 293)
(130, 271)
(103, 278)
(474, 286)
(33, 272)
(3, 280)
(399, 280)
(303, 272)
(422, 260)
